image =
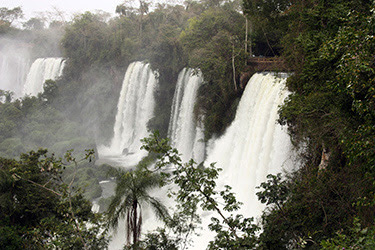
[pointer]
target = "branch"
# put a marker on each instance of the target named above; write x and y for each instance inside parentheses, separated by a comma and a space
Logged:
(41, 186)
(71, 207)
(209, 199)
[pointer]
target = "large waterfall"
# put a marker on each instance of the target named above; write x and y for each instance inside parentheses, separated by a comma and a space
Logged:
(135, 108)
(14, 64)
(185, 132)
(253, 146)
(41, 70)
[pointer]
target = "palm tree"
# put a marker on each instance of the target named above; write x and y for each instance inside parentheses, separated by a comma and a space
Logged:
(132, 192)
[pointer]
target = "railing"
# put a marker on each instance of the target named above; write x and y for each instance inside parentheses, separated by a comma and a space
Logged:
(258, 64)
(266, 60)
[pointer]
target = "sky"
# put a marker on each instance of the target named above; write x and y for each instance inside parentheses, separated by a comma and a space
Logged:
(32, 7)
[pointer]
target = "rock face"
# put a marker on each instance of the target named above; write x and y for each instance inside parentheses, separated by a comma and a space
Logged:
(244, 79)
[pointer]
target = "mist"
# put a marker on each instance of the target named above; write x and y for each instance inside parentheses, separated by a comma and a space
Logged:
(14, 65)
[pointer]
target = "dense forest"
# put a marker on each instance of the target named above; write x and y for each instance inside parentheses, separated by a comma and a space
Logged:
(327, 202)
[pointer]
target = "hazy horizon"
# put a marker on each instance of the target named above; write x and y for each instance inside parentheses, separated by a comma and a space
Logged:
(34, 8)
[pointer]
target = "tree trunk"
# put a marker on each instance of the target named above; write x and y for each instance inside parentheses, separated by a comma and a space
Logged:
(234, 68)
(246, 34)
(135, 226)
(251, 41)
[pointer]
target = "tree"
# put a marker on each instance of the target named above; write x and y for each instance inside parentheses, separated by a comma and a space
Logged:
(130, 194)
(358, 238)
(7, 16)
(6, 96)
(38, 210)
(10, 15)
(197, 188)
(269, 22)
(50, 89)
(127, 9)
(83, 37)
(34, 24)
(213, 42)
(330, 45)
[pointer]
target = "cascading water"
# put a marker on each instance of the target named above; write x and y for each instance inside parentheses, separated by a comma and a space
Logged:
(135, 108)
(41, 70)
(14, 64)
(185, 133)
(253, 146)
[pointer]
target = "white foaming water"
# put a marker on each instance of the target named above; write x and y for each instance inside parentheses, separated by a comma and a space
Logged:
(185, 135)
(41, 70)
(135, 108)
(253, 146)
(14, 64)
(185, 132)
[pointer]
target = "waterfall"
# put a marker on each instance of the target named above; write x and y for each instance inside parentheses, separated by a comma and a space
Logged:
(253, 146)
(135, 108)
(14, 63)
(186, 134)
(41, 70)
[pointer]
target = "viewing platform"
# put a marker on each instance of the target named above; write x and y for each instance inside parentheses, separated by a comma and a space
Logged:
(261, 64)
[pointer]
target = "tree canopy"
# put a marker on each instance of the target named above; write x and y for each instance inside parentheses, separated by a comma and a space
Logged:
(39, 211)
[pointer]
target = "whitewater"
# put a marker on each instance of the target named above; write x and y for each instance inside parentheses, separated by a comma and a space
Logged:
(253, 146)
(41, 70)
(135, 108)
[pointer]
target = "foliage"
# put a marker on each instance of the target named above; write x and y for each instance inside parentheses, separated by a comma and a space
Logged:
(10, 15)
(34, 23)
(359, 238)
(33, 122)
(197, 188)
(330, 116)
(159, 240)
(269, 21)
(335, 84)
(39, 211)
(82, 39)
(7, 17)
(211, 41)
(38, 124)
(275, 191)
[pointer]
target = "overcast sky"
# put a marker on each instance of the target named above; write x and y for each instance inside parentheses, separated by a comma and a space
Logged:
(32, 7)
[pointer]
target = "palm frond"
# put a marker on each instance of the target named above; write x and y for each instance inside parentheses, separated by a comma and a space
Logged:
(159, 209)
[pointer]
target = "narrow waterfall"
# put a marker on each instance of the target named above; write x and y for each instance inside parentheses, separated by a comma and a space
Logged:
(135, 108)
(185, 132)
(14, 63)
(253, 146)
(41, 70)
